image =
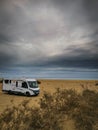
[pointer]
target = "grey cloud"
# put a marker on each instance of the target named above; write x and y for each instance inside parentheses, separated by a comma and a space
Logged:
(81, 13)
(91, 8)
(4, 39)
(88, 47)
(77, 57)
(21, 24)
(19, 21)
(7, 60)
(71, 62)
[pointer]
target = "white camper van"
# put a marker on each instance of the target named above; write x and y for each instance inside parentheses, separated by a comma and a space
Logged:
(27, 87)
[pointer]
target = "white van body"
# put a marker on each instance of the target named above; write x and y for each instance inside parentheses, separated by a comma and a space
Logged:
(27, 87)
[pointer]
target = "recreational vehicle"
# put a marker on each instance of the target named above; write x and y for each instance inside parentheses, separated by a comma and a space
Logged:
(27, 87)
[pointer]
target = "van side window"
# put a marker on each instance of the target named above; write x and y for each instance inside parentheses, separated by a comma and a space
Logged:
(24, 85)
(6, 81)
(16, 84)
(10, 81)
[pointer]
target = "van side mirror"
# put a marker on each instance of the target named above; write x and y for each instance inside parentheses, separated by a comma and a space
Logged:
(38, 82)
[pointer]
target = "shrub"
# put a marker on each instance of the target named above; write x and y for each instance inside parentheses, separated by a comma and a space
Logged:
(52, 111)
(86, 113)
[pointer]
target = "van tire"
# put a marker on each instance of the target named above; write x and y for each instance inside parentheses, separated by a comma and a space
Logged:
(10, 92)
(27, 94)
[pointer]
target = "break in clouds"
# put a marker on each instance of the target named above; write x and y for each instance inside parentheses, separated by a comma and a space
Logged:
(49, 33)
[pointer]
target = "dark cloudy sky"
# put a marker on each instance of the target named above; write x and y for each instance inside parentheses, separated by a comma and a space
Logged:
(53, 34)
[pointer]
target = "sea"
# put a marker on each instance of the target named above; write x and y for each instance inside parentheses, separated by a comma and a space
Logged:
(50, 73)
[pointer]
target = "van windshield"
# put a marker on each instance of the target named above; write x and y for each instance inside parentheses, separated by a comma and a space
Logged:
(33, 84)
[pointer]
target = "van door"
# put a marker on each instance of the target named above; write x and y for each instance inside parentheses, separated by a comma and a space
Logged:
(24, 87)
(18, 88)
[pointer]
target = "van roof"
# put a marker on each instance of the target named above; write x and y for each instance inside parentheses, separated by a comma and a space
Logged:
(23, 79)
(30, 79)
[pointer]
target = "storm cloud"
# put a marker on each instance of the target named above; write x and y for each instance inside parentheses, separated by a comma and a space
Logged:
(49, 33)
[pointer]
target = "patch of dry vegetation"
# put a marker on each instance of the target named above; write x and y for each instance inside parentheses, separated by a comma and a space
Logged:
(54, 111)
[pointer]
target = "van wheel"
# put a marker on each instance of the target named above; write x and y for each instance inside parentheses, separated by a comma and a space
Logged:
(27, 94)
(9, 92)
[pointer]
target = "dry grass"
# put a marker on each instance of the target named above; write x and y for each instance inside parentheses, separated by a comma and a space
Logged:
(79, 97)
(48, 86)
